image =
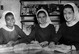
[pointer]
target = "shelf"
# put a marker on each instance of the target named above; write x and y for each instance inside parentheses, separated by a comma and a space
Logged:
(55, 20)
(54, 15)
(29, 9)
(27, 15)
(27, 21)
(34, 15)
(39, 0)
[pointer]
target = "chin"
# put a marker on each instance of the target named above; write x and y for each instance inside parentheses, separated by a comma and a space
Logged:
(11, 25)
(68, 20)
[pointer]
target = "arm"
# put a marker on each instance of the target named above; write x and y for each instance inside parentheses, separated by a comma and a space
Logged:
(75, 46)
(53, 33)
(1, 37)
(57, 35)
(32, 34)
(22, 35)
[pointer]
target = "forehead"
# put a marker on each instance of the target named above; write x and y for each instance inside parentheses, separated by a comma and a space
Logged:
(68, 10)
(42, 14)
(10, 17)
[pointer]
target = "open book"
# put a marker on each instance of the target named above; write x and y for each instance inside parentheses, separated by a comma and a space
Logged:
(60, 48)
(4, 48)
(24, 46)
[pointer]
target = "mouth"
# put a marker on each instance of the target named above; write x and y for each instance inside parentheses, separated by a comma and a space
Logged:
(67, 18)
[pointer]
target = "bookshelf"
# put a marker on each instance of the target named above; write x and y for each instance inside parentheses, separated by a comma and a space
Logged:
(29, 9)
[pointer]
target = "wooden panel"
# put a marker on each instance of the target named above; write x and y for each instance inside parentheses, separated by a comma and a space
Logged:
(38, 0)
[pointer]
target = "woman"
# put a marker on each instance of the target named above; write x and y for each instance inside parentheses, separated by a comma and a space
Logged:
(68, 33)
(10, 33)
(44, 31)
(29, 29)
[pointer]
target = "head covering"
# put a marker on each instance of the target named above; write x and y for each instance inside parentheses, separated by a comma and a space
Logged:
(47, 20)
(76, 13)
(4, 23)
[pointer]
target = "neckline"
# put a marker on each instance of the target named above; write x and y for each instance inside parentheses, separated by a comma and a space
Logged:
(44, 26)
(71, 24)
(7, 29)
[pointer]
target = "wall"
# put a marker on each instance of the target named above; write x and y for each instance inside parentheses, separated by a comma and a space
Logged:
(14, 5)
(50, 2)
(11, 5)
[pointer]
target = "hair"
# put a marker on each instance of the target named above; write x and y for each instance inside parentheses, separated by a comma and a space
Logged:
(69, 6)
(8, 14)
(41, 12)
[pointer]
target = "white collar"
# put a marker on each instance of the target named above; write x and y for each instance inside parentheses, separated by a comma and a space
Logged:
(7, 29)
(72, 24)
(44, 25)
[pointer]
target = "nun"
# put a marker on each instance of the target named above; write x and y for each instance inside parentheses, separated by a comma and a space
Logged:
(10, 33)
(68, 33)
(44, 30)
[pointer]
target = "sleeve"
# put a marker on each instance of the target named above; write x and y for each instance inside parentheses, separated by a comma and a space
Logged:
(32, 34)
(77, 46)
(52, 33)
(1, 37)
(23, 36)
(58, 35)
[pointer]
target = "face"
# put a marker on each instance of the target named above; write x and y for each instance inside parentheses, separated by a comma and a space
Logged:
(27, 25)
(10, 20)
(68, 14)
(42, 18)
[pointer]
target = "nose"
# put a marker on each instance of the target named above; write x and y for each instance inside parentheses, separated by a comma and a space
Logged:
(67, 15)
(12, 21)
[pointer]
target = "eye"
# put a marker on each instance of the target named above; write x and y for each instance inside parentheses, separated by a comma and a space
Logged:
(44, 16)
(39, 17)
(70, 12)
(64, 13)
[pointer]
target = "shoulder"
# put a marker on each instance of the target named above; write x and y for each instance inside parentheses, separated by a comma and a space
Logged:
(63, 25)
(16, 26)
(1, 30)
(77, 23)
(51, 26)
(36, 26)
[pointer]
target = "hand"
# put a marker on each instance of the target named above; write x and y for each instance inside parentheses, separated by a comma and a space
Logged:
(52, 45)
(16, 42)
(62, 46)
(10, 43)
(73, 47)
(34, 42)
(45, 43)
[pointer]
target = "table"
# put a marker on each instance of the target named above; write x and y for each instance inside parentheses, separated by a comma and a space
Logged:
(39, 52)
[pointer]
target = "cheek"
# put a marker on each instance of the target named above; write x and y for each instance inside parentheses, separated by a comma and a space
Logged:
(71, 16)
(64, 16)
(13, 21)
(8, 22)
(44, 19)
(39, 20)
